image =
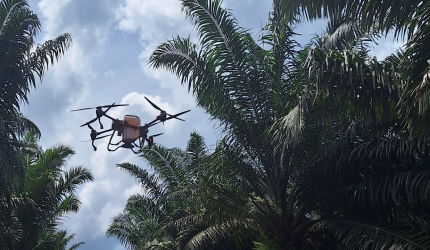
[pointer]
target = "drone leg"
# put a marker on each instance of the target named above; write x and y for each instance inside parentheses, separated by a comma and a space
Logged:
(110, 142)
(134, 151)
(101, 125)
(115, 143)
(94, 147)
(141, 142)
(112, 150)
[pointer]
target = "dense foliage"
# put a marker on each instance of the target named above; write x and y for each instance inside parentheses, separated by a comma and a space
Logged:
(324, 146)
(36, 190)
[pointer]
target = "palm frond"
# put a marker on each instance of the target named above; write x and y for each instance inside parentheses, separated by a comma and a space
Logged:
(149, 182)
(47, 53)
(196, 149)
(220, 232)
(166, 163)
(365, 235)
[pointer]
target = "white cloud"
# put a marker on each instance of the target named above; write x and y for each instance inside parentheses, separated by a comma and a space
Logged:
(386, 47)
(109, 210)
(136, 15)
(51, 9)
(135, 189)
(109, 73)
(167, 80)
(155, 21)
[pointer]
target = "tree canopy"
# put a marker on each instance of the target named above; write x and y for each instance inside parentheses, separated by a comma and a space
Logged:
(36, 190)
(324, 147)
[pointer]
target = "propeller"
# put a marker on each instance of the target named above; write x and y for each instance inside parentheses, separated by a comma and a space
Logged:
(176, 115)
(171, 116)
(104, 106)
(100, 113)
(153, 105)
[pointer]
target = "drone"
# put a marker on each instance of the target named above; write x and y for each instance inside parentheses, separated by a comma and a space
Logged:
(132, 134)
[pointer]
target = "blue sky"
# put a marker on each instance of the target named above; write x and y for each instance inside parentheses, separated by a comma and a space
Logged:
(112, 41)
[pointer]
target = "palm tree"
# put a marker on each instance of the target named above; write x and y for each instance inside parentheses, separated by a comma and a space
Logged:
(49, 190)
(340, 162)
(21, 61)
(379, 146)
(247, 86)
(408, 21)
(167, 215)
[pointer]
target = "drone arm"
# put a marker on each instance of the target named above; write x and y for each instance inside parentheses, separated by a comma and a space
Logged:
(101, 137)
(109, 116)
(152, 123)
(88, 123)
(105, 131)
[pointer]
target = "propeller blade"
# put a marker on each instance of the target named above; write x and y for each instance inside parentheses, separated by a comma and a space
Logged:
(153, 105)
(88, 123)
(81, 109)
(178, 114)
(104, 106)
(113, 105)
(156, 135)
(110, 107)
(177, 118)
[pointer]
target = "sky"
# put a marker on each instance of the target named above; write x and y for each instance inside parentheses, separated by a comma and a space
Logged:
(108, 62)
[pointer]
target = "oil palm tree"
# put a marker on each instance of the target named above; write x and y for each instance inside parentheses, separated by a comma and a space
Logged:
(325, 121)
(21, 61)
(49, 189)
(247, 86)
(408, 21)
(379, 142)
(168, 215)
